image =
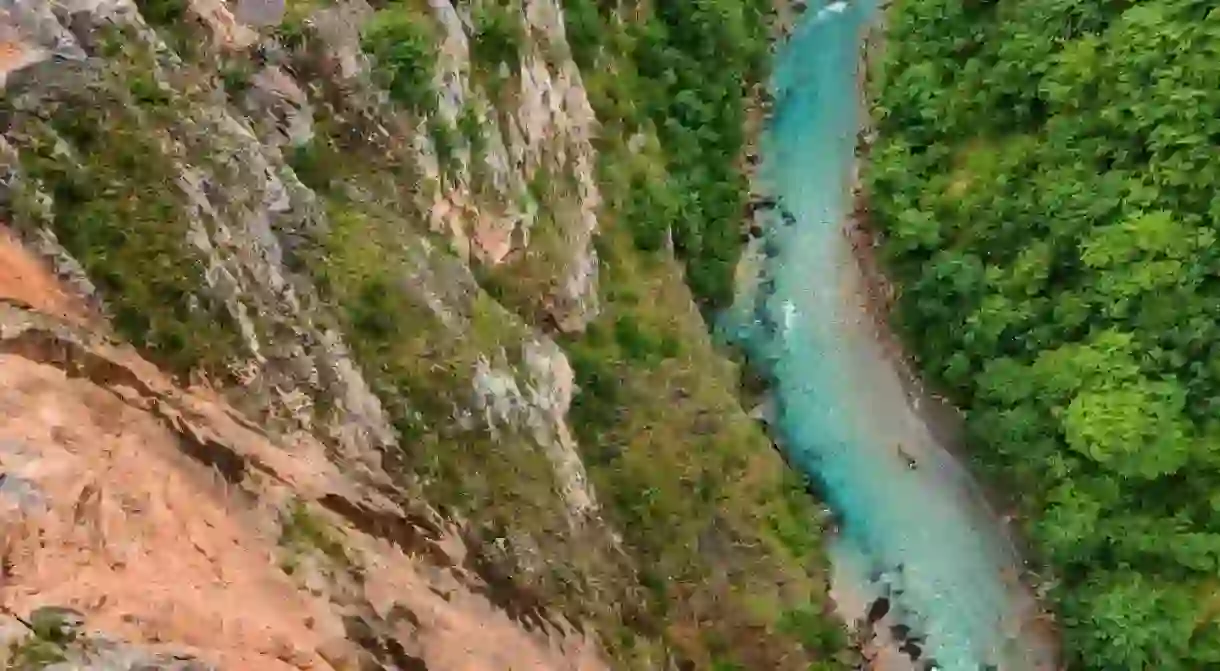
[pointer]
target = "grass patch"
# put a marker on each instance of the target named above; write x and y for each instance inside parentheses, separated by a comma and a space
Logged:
(725, 534)
(33, 653)
(401, 42)
(302, 530)
(499, 33)
(303, 533)
(118, 210)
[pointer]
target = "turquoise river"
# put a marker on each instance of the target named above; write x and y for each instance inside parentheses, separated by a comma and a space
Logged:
(924, 535)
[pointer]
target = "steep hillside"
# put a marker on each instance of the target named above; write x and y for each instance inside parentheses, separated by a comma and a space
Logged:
(148, 527)
(1046, 178)
(448, 247)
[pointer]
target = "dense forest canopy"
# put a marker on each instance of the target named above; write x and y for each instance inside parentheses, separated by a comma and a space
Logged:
(1046, 177)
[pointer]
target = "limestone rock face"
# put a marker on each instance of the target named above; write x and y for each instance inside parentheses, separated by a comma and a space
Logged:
(196, 541)
(247, 162)
(308, 359)
(259, 12)
(246, 209)
(546, 131)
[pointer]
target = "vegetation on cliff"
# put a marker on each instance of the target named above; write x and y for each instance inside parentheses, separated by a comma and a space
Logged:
(682, 73)
(658, 404)
(1045, 177)
(223, 239)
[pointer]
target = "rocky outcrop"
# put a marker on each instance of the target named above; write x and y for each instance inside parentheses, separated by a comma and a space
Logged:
(323, 289)
(546, 133)
(542, 406)
(252, 521)
(245, 213)
(182, 523)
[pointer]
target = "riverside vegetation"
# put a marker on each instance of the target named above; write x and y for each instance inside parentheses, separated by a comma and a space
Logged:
(1045, 177)
(706, 551)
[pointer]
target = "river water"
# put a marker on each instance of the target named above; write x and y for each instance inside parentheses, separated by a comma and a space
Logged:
(924, 535)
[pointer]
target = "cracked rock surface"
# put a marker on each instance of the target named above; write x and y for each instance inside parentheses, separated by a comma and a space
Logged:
(195, 541)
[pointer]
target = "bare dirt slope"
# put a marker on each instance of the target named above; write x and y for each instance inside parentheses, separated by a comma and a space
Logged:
(171, 523)
(25, 280)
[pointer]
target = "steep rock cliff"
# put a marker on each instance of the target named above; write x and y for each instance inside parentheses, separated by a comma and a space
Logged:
(397, 239)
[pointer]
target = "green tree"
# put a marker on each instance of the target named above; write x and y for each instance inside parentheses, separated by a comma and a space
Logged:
(1046, 176)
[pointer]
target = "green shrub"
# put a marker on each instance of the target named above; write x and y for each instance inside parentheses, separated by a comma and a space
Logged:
(162, 12)
(34, 653)
(236, 77)
(314, 163)
(147, 91)
(402, 46)
(499, 33)
(121, 214)
(816, 632)
(652, 210)
(445, 141)
(471, 128)
(684, 68)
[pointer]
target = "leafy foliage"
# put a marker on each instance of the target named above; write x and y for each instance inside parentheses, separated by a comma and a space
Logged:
(499, 34)
(1046, 177)
(715, 519)
(681, 72)
(117, 207)
(400, 41)
(162, 12)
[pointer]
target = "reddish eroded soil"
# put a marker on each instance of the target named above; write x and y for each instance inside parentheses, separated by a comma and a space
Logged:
(27, 280)
(135, 535)
(159, 513)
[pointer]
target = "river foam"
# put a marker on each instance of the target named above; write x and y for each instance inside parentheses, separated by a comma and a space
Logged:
(914, 525)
